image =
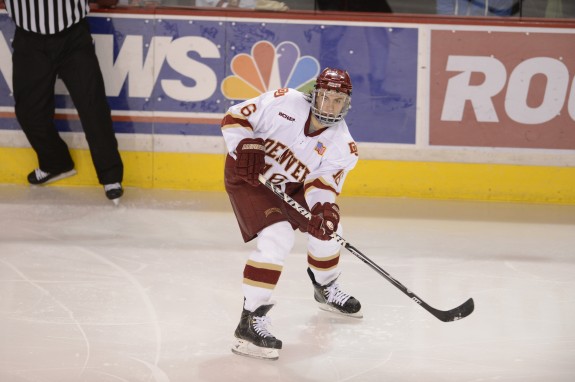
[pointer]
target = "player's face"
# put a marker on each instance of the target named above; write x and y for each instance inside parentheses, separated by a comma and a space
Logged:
(330, 102)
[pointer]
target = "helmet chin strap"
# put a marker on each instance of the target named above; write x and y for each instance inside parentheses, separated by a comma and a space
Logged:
(315, 124)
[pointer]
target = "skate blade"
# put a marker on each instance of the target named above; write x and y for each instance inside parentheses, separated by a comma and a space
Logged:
(116, 201)
(327, 308)
(247, 349)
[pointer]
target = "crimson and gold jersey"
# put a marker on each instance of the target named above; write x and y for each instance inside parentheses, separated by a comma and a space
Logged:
(320, 160)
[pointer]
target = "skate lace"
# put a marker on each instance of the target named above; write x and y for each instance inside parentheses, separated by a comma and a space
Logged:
(260, 326)
(40, 174)
(335, 295)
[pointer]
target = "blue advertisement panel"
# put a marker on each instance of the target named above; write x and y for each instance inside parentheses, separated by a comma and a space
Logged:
(179, 74)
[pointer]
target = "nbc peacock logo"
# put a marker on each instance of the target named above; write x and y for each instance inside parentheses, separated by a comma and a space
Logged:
(269, 68)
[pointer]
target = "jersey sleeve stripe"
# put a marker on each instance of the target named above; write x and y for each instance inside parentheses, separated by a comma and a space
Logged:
(319, 183)
(234, 121)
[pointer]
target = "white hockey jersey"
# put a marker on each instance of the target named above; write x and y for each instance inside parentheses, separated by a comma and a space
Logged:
(321, 160)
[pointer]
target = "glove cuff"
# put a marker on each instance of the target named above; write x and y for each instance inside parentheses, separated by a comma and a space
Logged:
(249, 144)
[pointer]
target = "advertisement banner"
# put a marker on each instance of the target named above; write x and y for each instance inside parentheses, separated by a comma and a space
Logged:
(502, 89)
(179, 74)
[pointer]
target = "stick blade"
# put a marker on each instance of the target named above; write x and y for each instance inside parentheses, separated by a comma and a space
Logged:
(455, 314)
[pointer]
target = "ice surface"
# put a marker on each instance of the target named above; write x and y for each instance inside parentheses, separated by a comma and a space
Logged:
(151, 291)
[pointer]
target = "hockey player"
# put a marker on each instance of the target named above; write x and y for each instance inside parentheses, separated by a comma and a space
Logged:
(301, 143)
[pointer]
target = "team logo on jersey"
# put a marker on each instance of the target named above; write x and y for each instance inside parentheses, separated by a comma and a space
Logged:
(320, 148)
(267, 68)
(353, 149)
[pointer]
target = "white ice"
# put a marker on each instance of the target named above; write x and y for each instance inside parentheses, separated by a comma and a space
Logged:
(151, 291)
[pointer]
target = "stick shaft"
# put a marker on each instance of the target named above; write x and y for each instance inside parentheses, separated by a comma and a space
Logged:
(451, 315)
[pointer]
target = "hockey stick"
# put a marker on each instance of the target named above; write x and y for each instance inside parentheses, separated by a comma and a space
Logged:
(454, 314)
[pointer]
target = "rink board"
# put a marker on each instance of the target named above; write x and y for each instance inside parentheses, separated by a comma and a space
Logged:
(439, 111)
(433, 180)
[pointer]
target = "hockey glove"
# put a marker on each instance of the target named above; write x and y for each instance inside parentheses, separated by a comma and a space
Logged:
(324, 220)
(250, 159)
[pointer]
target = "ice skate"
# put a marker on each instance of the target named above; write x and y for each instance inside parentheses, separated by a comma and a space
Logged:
(114, 192)
(252, 336)
(39, 177)
(331, 299)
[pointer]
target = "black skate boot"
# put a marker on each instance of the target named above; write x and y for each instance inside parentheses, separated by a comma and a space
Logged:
(114, 192)
(332, 299)
(39, 177)
(252, 336)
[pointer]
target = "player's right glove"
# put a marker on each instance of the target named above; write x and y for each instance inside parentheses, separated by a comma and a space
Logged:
(250, 160)
(324, 220)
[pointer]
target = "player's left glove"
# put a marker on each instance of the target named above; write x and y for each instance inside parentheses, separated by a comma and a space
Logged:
(251, 159)
(324, 220)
